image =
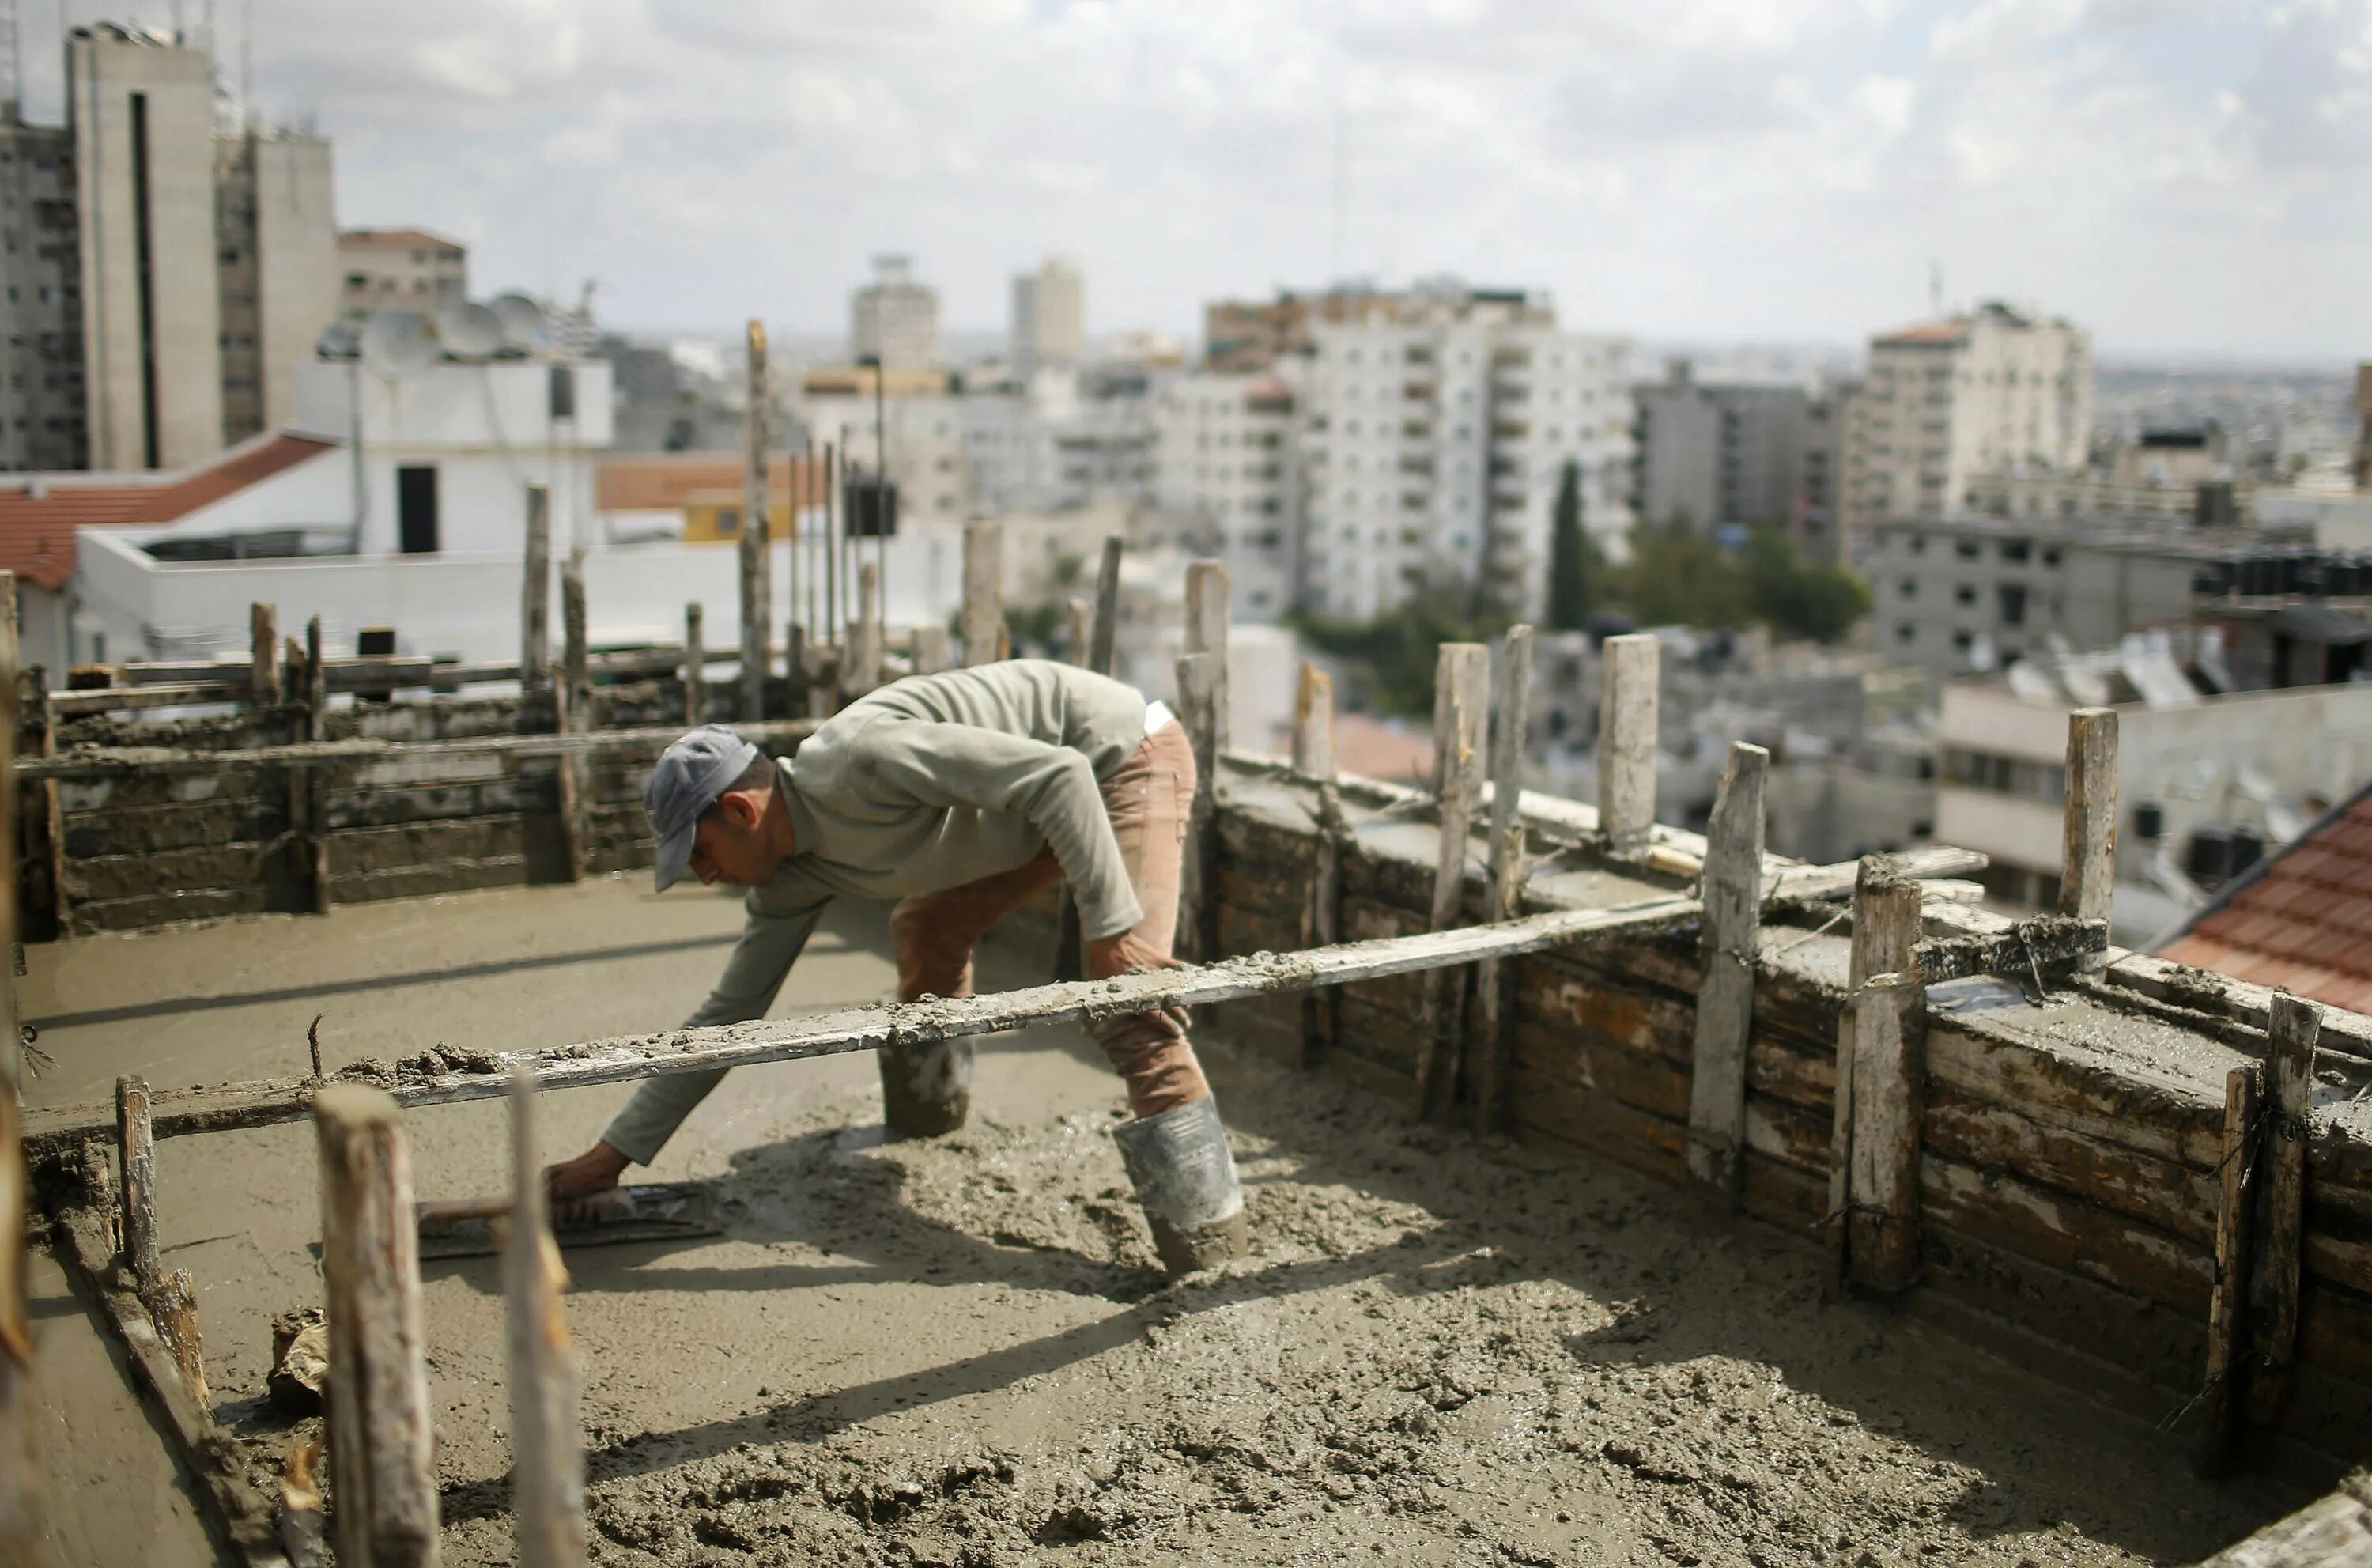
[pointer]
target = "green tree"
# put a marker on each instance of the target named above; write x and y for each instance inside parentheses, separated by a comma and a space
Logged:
(1393, 655)
(1569, 553)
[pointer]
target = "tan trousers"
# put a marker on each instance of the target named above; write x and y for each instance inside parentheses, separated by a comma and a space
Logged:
(1148, 798)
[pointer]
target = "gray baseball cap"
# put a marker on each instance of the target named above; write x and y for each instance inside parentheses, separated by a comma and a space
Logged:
(691, 775)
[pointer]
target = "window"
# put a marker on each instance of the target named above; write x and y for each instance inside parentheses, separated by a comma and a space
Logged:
(1968, 549)
(1909, 587)
(1964, 594)
(415, 510)
(2016, 551)
(2012, 604)
(1904, 632)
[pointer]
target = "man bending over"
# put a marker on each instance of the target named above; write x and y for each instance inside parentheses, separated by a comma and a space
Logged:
(959, 795)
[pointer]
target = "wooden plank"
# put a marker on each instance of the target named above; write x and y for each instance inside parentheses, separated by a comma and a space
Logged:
(1724, 1013)
(1103, 647)
(264, 655)
(865, 648)
(1502, 896)
(546, 1435)
(1321, 909)
(1889, 1078)
(2280, 1221)
(100, 762)
(1209, 620)
(1461, 710)
(2226, 1312)
(696, 666)
(931, 653)
(19, 1472)
(1198, 675)
(535, 591)
(135, 1150)
(757, 585)
(567, 805)
(1627, 718)
(381, 1443)
(2331, 1532)
(2088, 857)
(984, 593)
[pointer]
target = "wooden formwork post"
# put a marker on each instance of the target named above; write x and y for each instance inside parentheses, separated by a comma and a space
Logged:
(757, 612)
(696, 666)
(380, 1439)
(1733, 900)
(2087, 871)
(1082, 628)
(317, 800)
(2228, 1315)
(264, 655)
(1209, 621)
(1503, 898)
(2292, 1028)
(983, 593)
(930, 650)
(1880, 1079)
(12, 921)
(575, 655)
(1627, 717)
(1198, 687)
(570, 712)
(535, 591)
(1321, 916)
(1069, 948)
(865, 637)
(1461, 706)
(1103, 644)
(547, 1438)
(19, 1488)
(135, 1153)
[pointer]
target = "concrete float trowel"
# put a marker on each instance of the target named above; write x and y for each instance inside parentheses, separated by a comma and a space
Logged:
(473, 1227)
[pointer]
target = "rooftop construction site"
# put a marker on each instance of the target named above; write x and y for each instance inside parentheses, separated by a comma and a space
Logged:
(1613, 1194)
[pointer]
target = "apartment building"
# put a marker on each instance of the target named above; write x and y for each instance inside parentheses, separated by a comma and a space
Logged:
(1435, 438)
(276, 252)
(1242, 336)
(1225, 454)
(43, 424)
(1997, 388)
(399, 269)
(1050, 316)
(894, 319)
(1741, 455)
(921, 434)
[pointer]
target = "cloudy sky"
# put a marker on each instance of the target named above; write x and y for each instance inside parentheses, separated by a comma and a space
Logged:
(2184, 175)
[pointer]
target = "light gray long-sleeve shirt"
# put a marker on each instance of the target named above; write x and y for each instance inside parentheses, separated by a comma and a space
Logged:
(929, 783)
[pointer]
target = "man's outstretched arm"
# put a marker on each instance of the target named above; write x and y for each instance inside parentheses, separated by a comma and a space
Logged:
(762, 960)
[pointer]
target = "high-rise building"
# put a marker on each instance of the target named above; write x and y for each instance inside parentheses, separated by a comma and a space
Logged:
(1994, 389)
(207, 262)
(399, 269)
(143, 111)
(276, 246)
(1225, 454)
(895, 318)
(1050, 316)
(1738, 455)
(43, 425)
(1437, 437)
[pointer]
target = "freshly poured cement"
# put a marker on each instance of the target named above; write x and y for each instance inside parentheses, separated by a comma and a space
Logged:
(957, 1352)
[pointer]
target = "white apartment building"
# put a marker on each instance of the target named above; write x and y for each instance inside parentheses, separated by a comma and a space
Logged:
(399, 269)
(1225, 454)
(894, 319)
(1979, 393)
(1434, 445)
(1050, 316)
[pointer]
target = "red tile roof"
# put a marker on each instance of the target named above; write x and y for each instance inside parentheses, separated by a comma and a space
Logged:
(2303, 921)
(37, 532)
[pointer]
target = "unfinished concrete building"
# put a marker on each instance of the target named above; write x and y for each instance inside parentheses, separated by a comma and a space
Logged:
(1619, 1194)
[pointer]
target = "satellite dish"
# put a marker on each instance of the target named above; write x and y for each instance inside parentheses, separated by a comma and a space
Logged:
(469, 329)
(523, 326)
(338, 340)
(397, 343)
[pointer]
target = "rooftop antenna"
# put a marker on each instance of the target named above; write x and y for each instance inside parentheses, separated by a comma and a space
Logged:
(1337, 240)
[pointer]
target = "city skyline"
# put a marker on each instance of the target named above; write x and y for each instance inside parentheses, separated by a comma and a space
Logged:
(2186, 179)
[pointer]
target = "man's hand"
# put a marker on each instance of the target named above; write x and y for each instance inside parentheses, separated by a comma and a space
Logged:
(1109, 955)
(595, 1170)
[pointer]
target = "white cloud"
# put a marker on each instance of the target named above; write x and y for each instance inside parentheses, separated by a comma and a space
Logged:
(2168, 170)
